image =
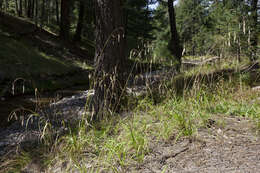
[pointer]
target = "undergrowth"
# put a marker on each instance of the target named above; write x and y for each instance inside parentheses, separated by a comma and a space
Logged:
(123, 140)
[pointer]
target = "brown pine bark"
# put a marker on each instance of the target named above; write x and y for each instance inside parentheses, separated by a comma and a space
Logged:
(1, 4)
(20, 8)
(57, 11)
(174, 43)
(16, 7)
(109, 57)
(29, 8)
(65, 20)
(77, 36)
(254, 31)
(32, 9)
(36, 13)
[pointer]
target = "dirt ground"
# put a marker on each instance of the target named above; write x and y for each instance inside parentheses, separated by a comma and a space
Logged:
(229, 144)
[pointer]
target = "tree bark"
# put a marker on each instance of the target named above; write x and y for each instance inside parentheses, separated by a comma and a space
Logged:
(77, 36)
(6, 5)
(29, 6)
(32, 9)
(25, 6)
(65, 20)
(43, 13)
(36, 13)
(57, 12)
(16, 7)
(174, 43)
(1, 3)
(20, 8)
(254, 31)
(109, 58)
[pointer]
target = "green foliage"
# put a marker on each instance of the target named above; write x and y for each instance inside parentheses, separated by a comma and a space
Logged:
(162, 33)
(206, 28)
(194, 24)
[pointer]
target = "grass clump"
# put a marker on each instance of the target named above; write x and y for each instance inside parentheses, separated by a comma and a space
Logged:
(117, 143)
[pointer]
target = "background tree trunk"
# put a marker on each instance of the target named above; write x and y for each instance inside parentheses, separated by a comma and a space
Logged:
(109, 57)
(32, 9)
(25, 7)
(254, 30)
(36, 13)
(29, 6)
(1, 3)
(16, 7)
(6, 5)
(20, 8)
(57, 12)
(174, 43)
(77, 36)
(65, 20)
(43, 13)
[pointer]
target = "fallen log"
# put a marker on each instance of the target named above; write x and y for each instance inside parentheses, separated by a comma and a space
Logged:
(200, 62)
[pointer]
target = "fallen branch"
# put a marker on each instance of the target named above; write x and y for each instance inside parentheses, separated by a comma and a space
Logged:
(164, 158)
(171, 155)
(200, 62)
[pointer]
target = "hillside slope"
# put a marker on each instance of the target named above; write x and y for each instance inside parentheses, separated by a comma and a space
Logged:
(34, 55)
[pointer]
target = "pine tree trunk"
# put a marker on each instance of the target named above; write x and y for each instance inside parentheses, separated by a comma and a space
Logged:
(25, 6)
(32, 9)
(57, 12)
(6, 5)
(20, 8)
(16, 7)
(77, 36)
(29, 9)
(36, 13)
(43, 13)
(254, 31)
(65, 20)
(174, 44)
(109, 57)
(47, 12)
(1, 4)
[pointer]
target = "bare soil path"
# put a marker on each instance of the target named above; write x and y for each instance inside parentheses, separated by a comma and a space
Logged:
(230, 144)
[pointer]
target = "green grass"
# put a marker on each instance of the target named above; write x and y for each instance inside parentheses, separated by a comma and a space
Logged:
(119, 142)
(224, 63)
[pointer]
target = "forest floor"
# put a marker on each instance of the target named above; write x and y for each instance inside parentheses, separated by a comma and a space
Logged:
(233, 147)
(38, 57)
(207, 129)
(34, 60)
(190, 123)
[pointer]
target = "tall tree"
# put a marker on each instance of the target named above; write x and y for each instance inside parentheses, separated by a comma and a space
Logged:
(36, 13)
(57, 11)
(43, 13)
(17, 7)
(1, 3)
(29, 9)
(254, 28)
(21, 8)
(109, 57)
(65, 19)
(174, 43)
(6, 5)
(79, 28)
